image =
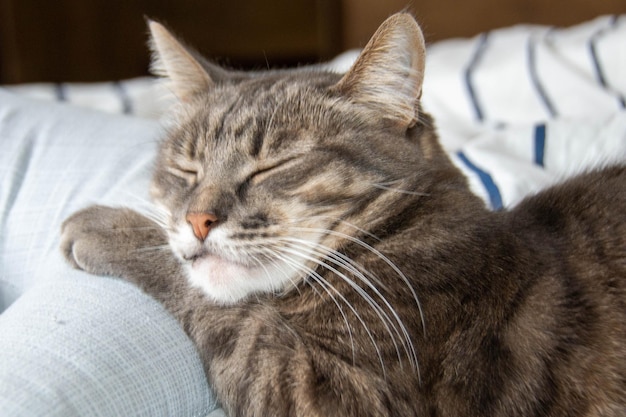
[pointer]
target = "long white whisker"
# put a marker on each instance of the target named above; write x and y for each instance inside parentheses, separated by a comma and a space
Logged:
(340, 257)
(378, 254)
(352, 226)
(343, 261)
(384, 318)
(325, 286)
(156, 213)
(164, 247)
(271, 120)
(267, 273)
(398, 190)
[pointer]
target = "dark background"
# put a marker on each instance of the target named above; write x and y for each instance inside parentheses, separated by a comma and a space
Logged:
(98, 40)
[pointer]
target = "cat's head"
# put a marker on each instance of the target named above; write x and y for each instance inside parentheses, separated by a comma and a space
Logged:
(265, 175)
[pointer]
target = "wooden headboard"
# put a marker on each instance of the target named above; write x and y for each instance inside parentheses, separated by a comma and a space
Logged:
(96, 40)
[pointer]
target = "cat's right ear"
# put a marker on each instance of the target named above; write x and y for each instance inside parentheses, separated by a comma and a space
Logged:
(171, 59)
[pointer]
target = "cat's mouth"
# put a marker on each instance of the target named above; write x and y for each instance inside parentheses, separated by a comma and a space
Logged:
(206, 257)
(229, 273)
(227, 281)
(218, 266)
(195, 256)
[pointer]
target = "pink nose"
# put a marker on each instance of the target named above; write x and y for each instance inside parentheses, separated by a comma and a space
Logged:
(201, 223)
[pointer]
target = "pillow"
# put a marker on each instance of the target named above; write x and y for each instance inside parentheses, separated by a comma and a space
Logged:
(74, 344)
(55, 159)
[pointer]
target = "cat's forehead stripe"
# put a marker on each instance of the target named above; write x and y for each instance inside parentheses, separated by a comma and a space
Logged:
(257, 142)
(219, 127)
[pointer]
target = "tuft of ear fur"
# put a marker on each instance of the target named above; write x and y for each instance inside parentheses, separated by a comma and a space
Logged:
(387, 76)
(171, 59)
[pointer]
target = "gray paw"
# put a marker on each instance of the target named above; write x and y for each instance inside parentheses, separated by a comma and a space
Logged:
(108, 241)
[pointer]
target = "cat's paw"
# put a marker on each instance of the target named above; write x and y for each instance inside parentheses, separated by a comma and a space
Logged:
(108, 241)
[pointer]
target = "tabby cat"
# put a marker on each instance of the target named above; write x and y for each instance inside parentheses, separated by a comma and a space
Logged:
(328, 259)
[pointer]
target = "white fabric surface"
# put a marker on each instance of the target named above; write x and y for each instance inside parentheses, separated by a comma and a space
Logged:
(521, 108)
(54, 160)
(90, 346)
(141, 97)
(518, 109)
(73, 344)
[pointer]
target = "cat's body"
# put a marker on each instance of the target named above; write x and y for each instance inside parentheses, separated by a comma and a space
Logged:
(327, 258)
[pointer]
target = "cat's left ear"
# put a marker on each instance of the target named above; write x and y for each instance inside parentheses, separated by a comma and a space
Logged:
(171, 59)
(387, 77)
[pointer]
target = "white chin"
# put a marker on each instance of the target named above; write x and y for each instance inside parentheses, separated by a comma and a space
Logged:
(227, 282)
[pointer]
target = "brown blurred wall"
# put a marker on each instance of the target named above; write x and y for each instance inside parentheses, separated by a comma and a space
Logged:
(96, 40)
(441, 19)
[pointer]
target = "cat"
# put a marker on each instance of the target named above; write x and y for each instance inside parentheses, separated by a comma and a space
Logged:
(326, 257)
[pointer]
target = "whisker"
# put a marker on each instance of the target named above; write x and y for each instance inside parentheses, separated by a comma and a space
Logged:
(273, 259)
(154, 212)
(342, 261)
(129, 228)
(371, 302)
(379, 255)
(270, 123)
(157, 248)
(327, 286)
(347, 223)
(383, 186)
(157, 214)
(331, 260)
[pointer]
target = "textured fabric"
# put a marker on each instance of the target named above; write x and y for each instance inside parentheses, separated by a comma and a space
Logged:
(90, 346)
(504, 166)
(528, 74)
(141, 97)
(74, 344)
(54, 160)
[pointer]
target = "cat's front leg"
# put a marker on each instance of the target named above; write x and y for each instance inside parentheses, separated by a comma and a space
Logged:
(123, 243)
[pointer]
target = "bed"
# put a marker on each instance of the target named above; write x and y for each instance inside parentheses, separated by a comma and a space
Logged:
(517, 108)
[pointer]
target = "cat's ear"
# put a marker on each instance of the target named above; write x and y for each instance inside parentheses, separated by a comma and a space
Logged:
(171, 59)
(387, 76)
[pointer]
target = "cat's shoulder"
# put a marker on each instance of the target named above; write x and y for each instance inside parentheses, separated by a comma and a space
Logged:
(603, 188)
(592, 203)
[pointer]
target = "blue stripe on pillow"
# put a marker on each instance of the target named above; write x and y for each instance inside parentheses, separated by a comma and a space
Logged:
(596, 61)
(540, 143)
(495, 198)
(534, 77)
(478, 53)
(127, 104)
(60, 92)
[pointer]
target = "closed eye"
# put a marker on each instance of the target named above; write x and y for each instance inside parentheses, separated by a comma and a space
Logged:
(261, 174)
(190, 176)
(264, 172)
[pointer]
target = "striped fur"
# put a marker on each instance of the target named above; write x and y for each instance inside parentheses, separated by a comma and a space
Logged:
(350, 271)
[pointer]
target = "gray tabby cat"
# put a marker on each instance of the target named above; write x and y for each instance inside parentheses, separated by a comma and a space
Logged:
(328, 259)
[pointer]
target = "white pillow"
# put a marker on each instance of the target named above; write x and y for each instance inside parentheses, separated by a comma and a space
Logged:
(74, 344)
(55, 159)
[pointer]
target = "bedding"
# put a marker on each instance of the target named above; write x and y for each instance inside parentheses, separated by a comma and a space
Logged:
(73, 344)
(518, 109)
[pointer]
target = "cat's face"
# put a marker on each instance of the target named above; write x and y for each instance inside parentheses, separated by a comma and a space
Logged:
(263, 176)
